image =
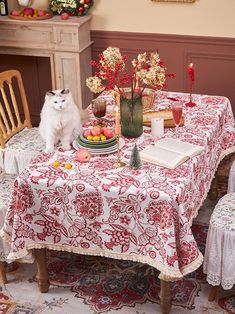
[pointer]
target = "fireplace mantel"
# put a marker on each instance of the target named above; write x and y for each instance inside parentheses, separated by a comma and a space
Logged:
(66, 43)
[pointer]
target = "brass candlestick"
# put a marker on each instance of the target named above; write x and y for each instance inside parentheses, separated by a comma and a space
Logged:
(119, 163)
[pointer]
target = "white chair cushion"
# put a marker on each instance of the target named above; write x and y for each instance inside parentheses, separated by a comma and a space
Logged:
(223, 216)
(21, 149)
(231, 179)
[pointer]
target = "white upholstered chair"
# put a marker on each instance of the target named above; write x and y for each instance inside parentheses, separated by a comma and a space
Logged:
(219, 259)
(6, 182)
(18, 140)
(231, 178)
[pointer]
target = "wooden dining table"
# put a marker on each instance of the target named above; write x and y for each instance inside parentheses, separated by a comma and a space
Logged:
(142, 215)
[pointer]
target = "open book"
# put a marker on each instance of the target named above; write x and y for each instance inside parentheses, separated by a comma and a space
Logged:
(170, 152)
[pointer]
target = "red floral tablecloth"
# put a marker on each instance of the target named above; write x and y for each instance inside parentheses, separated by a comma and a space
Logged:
(143, 215)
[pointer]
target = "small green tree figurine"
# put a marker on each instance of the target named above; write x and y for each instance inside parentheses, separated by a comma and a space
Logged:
(135, 161)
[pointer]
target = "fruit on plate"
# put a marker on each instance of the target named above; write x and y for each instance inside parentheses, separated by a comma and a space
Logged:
(98, 134)
(41, 12)
(15, 13)
(28, 11)
(83, 155)
(108, 133)
(87, 133)
(96, 130)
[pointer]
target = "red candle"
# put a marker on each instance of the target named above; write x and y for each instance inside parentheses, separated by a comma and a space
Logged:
(117, 122)
(191, 72)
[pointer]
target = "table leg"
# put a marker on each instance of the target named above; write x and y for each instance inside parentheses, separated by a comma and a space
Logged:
(213, 293)
(3, 277)
(213, 193)
(42, 274)
(165, 297)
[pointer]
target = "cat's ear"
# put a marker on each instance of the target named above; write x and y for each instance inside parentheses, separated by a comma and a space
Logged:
(65, 91)
(50, 93)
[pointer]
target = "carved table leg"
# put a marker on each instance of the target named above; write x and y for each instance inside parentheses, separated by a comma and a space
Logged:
(42, 274)
(165, 297)
(3, 278)
(213, 193)
(213, 293)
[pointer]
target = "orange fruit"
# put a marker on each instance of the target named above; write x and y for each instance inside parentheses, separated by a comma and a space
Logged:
(68, 165)
(56, 164)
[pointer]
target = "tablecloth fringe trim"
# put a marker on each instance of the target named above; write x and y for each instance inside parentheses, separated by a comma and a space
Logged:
(5, 236)
(26, 256)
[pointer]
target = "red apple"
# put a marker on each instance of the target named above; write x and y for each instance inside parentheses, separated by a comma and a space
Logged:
(86, 133)
(83, 155)
(64, 16)
(108, 133)
(41, 12)
(15, 13)
(28, 11)
(96, 130)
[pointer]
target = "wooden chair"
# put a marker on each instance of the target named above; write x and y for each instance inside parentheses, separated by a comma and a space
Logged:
(220, 246)
(16, 139)
(19, 141)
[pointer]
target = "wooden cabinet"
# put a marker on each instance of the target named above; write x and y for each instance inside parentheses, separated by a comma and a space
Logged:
(66, 43)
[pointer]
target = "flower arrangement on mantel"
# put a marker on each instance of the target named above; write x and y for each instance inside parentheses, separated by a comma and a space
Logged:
(147, 71)
(72, 7)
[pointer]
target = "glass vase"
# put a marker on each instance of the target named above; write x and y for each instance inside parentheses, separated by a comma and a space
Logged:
(131, 110)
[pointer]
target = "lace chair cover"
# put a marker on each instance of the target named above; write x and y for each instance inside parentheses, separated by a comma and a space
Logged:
(6, 181)
(231, 179)
(21, 149)
(219, 259)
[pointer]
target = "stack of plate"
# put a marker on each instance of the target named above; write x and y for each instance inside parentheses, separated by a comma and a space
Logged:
(97, 147)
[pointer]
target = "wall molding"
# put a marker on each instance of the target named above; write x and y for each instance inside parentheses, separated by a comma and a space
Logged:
(100, 36)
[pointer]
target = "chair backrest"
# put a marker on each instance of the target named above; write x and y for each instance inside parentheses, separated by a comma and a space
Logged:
(14, 111)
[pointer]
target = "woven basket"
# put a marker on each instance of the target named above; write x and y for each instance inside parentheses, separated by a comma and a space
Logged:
(148, 98)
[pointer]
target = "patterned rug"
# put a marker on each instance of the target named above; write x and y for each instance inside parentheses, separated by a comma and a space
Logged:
(228, 304)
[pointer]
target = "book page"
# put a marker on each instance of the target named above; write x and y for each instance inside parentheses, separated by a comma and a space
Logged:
(181, 147)
(162, 157)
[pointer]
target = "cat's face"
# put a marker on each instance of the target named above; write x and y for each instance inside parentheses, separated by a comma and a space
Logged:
(58, 99)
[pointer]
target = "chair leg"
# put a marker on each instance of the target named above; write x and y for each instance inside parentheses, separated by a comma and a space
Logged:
(213, 293)
(213, 193)
(3, 277)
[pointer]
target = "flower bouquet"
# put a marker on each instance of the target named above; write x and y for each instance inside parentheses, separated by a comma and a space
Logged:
(147, 71)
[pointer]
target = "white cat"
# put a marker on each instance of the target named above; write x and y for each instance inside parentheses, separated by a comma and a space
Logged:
(60, 120)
